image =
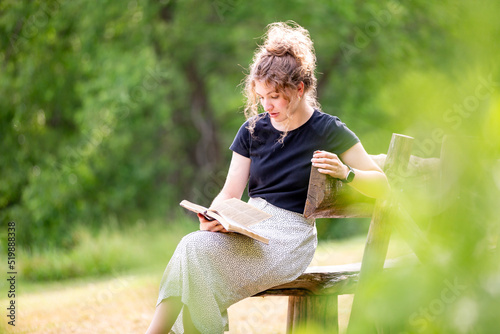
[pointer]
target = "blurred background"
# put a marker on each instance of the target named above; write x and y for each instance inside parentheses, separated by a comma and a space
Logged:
(113, 112)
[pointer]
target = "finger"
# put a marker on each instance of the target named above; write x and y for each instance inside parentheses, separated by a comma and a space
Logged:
(338, 173)
(327, 159)
(332, 162)
(211, 225)
(333, 166)
(202, 218)
(216, 226)
(324, 171)
(324, 154)
(219, 228)
(205, 226)
(208, 225)
(324, 166)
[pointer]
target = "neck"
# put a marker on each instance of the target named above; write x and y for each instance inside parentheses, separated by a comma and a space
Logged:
(296, 117)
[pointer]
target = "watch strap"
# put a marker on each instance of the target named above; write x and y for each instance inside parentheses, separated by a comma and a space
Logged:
(350, 175)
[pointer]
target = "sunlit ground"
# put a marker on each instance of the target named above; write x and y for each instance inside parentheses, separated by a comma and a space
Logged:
(125, 303)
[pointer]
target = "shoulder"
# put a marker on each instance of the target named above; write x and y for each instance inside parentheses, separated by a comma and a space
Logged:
(338, 136)
(324, 122)
(327, 118)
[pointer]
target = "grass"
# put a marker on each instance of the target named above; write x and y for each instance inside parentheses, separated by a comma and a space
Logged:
(108, 300)
(143, 246)
(108, 282)
(108, 252)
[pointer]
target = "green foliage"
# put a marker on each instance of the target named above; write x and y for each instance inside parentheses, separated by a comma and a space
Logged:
(115, 111)
(340, 228)
(112, 112)
(127, 107)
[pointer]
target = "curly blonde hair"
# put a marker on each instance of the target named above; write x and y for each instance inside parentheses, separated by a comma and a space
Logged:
(286, 59)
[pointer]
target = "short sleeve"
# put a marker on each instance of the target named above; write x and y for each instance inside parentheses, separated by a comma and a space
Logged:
(341, 138)
(241, 143)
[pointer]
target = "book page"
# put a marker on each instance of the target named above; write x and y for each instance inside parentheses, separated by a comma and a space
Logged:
(234, 214)
(238, 211)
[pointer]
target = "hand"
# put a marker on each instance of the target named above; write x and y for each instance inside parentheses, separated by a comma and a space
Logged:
(210, 225)
(329, 163)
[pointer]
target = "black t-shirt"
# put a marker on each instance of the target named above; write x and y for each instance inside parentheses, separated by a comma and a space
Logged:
(279, 172)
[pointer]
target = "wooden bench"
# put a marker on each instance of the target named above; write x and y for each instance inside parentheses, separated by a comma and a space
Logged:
(313, 295)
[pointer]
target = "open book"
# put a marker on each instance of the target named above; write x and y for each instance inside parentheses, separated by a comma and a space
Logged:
(234, 214)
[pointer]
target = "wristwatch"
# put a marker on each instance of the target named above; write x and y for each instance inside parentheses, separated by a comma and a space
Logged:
(350, 175)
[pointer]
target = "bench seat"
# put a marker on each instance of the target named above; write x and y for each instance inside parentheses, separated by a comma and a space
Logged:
(327, 280)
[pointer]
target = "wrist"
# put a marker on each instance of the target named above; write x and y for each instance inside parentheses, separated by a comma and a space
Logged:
(350, 174)
(346, 172)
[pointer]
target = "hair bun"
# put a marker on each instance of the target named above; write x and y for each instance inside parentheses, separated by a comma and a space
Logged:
(284, 61)
(290, 38)
(278, 50)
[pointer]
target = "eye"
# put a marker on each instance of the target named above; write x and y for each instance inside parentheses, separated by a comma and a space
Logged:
(275, 97)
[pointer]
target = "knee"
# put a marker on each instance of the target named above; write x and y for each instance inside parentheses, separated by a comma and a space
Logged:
(198, 241)
(192, 238)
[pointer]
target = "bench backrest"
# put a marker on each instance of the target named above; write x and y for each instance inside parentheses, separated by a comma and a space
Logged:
(330, 198)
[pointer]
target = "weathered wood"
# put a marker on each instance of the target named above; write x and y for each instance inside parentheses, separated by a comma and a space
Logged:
(327, 280)
(300, 311)
(312, 314)
(398, 157)
(323, 313)
(319, 281)
(421, 178)
(331, 198)
(379, 233)
(421, 173)
(380, 228)
(328, 197)
(299, 314)
(290, 315)
(418, 167)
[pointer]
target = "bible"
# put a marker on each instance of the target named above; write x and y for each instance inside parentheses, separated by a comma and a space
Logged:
(234, 214)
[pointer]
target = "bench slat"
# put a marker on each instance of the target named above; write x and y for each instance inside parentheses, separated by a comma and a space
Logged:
(328, 280)
(316, 284)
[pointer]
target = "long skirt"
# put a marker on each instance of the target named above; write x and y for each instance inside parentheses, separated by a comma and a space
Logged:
(211, 271)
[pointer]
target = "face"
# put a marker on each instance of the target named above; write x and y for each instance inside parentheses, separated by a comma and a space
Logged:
(272, 101)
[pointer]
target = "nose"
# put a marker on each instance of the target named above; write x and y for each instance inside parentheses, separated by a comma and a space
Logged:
(268, 106)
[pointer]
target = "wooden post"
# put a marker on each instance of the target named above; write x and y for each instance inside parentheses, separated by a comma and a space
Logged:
(312, 313)
(379, 232)
(291, 314)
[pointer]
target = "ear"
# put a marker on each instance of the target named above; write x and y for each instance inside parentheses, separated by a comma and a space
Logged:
(300, 89)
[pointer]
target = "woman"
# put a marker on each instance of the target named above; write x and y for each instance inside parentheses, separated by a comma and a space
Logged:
(272, 152)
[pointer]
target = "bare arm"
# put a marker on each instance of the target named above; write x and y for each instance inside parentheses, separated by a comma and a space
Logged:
(370, 180)
(236, 181)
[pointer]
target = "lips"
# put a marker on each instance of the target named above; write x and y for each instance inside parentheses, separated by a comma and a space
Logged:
(274, 114)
